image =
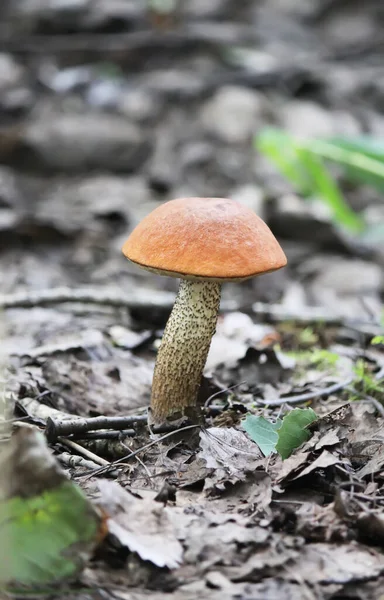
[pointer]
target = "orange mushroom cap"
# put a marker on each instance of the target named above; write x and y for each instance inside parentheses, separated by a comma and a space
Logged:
(204, 238)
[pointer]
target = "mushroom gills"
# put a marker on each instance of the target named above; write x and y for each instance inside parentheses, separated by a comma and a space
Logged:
(183, 351)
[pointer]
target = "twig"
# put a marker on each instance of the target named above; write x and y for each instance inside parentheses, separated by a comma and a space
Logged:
(220, 392)
(104, 435)
(133, 454)
(41, 411)
(57, 426)
(145, 299)
(84, 452)
(88, 340)
(308, 396)
(366, 398)
(197, 34)
(73, 461)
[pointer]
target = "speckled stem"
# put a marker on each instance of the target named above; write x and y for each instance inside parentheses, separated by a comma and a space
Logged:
(184, 349)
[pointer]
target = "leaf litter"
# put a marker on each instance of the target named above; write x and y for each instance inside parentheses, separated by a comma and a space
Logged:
(217, 514)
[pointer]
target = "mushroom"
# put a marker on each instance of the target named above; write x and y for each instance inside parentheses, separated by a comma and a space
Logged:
(204, 242)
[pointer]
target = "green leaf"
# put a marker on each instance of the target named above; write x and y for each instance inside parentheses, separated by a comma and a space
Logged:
(262, 432)
(279, 147)
(327, 189)
(293, 432)
(49, 525)
(362, 160)
(300, 161)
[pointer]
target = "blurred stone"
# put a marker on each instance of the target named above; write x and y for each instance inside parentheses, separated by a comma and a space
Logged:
(174, 83)
(196, 154)
(232, 114)
(201, 9)
(10, 195)
(75, 142)
(11, 73)
(350, 27)
(251, 196)
(17, 101)
(163, 168)
(139, 105)
(61, 15)
(67, 80)
(89, 203)
(306, 119)
(304, 221)
(310, 120)
(104, 93)
(292, 7)
(350, 287)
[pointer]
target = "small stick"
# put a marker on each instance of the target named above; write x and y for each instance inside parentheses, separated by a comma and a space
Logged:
(308, 396)
(41, 411)
(63, 427)
(80, 450)
(73, 461)
(145, 299)
(133, 454)
(366, 398)
(104, 435)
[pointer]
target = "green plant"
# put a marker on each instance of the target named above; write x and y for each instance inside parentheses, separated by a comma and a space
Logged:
(366, 380)
(283, 436)
(303, 163)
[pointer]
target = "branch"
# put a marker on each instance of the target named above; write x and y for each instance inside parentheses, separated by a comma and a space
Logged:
(146, 299)
(57, 426)
(336, 387)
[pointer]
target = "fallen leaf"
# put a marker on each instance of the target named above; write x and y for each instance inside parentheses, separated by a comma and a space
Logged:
(331, 563)
(326, 459)
(228, 448)
(263, 432)
(141, 525)
(293, 432)
(50, 527)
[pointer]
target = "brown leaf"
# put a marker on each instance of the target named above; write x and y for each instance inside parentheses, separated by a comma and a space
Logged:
(144, 526)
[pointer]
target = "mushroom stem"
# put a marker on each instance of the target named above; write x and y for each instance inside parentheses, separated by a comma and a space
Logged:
(184, 350)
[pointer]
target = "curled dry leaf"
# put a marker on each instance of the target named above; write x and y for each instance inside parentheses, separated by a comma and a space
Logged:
(144, 526)
(230, 449)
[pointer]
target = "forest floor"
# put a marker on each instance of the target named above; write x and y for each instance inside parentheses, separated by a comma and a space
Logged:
(107, 111)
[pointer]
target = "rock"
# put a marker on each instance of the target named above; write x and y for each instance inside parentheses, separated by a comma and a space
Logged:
(139, 105)
(175, 84)
(350, 27)
(15, 97)
(67, 80)
(11, 73)
(350, 277)
(11, 201)
(75, 142)
(306, 119)
(76, 206)
(345, 123)
(293, 217)
(88, 15)
(347, 287)
(16, 102)
(292, 7)
(104, 93)
(201, 9)
(10, 195)
(251, 196)
(233, 114)
(310, 120)
(163, 167)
